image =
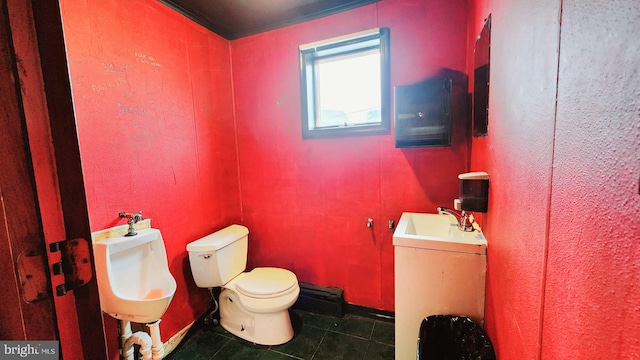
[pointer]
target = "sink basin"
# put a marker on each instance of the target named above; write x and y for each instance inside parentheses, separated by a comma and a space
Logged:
(437, 232)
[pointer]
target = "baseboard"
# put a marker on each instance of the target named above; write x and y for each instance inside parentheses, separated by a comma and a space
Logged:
(176, 339)
(372, 313)
(322, 300)
(330, 301)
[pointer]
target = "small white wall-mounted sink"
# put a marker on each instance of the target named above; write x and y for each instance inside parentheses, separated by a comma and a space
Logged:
(437, 232)
(438, 269)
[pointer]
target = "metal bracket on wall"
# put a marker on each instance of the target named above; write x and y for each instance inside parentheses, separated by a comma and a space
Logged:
(33, 279)
(75, 265)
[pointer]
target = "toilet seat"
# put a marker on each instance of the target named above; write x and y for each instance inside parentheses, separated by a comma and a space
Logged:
(264, 290)
(265, 282)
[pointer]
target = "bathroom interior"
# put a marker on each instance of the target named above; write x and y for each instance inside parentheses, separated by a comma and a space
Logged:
(201, 132)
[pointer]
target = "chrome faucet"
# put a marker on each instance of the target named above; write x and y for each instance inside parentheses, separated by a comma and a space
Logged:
(132, 219)
(465, 221)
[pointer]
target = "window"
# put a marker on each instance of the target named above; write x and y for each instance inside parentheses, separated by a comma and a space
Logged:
(344, 85)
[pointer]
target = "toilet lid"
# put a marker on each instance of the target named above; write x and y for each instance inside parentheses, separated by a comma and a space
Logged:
(266, 282)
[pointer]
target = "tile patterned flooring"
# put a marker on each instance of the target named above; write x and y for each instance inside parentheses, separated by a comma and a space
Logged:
(317, 337)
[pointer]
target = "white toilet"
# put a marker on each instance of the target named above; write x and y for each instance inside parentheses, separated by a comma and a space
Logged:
(253, 305)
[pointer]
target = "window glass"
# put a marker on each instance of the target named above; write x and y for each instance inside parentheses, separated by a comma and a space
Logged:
(348, 89)
(345, 86)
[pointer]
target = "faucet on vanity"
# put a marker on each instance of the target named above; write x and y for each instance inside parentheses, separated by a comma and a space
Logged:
(132, 219)
(465, 221)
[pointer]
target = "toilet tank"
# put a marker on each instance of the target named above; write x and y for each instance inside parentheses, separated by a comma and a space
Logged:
(219, 257)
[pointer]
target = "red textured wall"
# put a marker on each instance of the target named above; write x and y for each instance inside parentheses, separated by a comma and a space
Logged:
(517, 153)
(519, 158)
(158, 135)
(306, 202)
(592, 306)
(154, 108)
(563, 249)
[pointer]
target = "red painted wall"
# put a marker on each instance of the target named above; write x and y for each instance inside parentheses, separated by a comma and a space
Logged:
(306, 202)
(592, 299)
(154, 103)
(154, 107)
(517, 153)
(562, 266)
(153, 98)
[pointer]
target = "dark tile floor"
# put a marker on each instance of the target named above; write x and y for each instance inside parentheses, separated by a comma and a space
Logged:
(316, 337)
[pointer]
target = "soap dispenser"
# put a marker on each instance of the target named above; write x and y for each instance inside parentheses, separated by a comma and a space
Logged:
(474, 191)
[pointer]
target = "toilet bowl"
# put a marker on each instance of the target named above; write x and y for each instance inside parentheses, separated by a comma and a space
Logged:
(261, 298)
(134, 282)
(254, 305)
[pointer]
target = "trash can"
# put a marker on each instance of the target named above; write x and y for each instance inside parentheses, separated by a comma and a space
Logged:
(453, 337)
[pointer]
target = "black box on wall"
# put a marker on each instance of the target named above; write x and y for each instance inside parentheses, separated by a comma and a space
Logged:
(423, 114)
(474, 191)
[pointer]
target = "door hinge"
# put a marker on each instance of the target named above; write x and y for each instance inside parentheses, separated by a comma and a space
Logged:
(75, 265)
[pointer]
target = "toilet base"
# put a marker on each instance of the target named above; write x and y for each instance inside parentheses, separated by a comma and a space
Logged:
(260, 328)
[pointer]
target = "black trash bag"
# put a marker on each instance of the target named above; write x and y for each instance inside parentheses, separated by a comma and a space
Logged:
(453, 337)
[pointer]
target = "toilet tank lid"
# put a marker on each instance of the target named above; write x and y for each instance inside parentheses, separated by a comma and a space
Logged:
(218, 239)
